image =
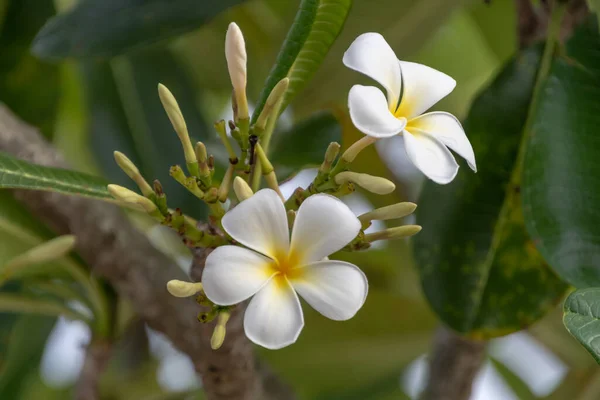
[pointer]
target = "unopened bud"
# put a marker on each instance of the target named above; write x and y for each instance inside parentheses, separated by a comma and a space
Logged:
(133, 172)
(235, 53)
(220, 127)
(358, 146)
(330, 155)
(275, 97)
(242, 189)
(206, 317)
(226, 184)
(393, 233)
(183, 289)
(218, 337)
(373, 184)
(177, 173)
(128, 196)
(394, 211)
(45, 252)
(176, 117)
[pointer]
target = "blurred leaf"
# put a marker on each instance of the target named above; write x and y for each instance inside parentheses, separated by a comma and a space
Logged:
(27, 340)
(479, 270)
(386, 334)
(513, 381)
(582, 318)
(317, 25)
(304, 144)
(381, 388)
(28, 86)
(561, 169)
(19, 174)
(110, 27)
(493, 19)
(156, 143)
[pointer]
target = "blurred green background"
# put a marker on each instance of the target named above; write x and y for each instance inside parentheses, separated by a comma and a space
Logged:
(91, 106)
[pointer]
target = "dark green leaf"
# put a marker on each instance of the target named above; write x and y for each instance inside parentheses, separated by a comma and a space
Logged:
(110, 27)
(317, 25)
(304, 144)
(561, 190)
(479, 270)
(28, 86)
(18, 174)
(582, 318)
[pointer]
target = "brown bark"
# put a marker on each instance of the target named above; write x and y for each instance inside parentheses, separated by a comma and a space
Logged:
(453, 365)
(116, 251)
(96, 360)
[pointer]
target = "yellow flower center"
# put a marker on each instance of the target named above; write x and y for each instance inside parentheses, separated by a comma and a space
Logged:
(286, 266)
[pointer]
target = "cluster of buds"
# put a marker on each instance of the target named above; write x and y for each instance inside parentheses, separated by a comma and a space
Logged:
(226, 230)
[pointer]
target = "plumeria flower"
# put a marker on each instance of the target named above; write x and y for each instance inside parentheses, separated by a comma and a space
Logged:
(411, 90)
(275, 269)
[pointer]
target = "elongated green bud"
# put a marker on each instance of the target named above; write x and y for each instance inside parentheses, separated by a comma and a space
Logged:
(226, 184)
(373, 184)
(358, 146)
(242, 189)
(218, 337)
(202, 157)
(274, 97)
(222, 131)
(176, 117)
(332, 152)
(183, 289)
(45, 252)
(235, 53)
(128, 196)
(393, 233)
(133, 172)
(394, 211)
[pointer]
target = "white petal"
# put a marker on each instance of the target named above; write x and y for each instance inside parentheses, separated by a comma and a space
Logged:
(232, 274)
(430, 156)
(323, 226)
(336, 289)
(423, 87)
(447, 129)
(260, 223)
(370, 113)
(371, 55)
(274, 317)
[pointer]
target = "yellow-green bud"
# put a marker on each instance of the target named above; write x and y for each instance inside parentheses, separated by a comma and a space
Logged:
(358, 146)
(176, 117)
(373, 184)
(218, 337)
(393, 233)
(183, 289)
(275, 96)
(128, 196)
(235, 53)
(48, 251)
(133, 172)
(394, 211)
(226, 184)
(242, 189)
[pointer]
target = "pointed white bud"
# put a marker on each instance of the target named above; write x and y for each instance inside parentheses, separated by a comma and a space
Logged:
(394, 211)
(242, 189)
(235, 52)
(128, 196)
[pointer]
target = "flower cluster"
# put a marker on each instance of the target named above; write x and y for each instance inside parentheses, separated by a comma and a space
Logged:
(270, 249)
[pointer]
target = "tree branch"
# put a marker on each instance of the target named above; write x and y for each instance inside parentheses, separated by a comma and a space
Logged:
(116, 251)
(453, 365)
(96, 359)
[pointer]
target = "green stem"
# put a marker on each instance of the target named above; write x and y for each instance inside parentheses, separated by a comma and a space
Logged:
(21, 304)
(265, 142)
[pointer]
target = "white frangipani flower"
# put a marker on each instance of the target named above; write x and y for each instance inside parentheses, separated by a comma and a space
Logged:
(411, 90)
(274, 269)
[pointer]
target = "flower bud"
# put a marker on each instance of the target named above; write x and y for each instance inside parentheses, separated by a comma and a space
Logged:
(226, 184)
(235, 53)
(393, 233)
(128, 196)
(373, 184)
(133, 172)
(394, 211)
(176, 117)
(45, 252)
(183, 289)
(242, 189)
(275, 97)
(218, 337)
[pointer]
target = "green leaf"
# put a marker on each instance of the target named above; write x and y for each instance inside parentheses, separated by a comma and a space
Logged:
(317, 25)
(513, 381)
(19, 174)
(304, 144)
(111, 27)
(582, 318)
(561, 169)
(30, 87)
(479, 270)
